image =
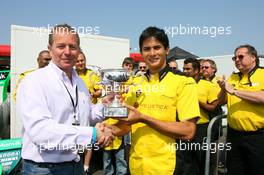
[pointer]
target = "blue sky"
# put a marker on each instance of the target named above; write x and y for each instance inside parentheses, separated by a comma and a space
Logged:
(205, 28)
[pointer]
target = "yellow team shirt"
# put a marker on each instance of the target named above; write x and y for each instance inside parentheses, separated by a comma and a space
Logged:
(91, 82)
(161, 96)
(207, 93)
(244, 115)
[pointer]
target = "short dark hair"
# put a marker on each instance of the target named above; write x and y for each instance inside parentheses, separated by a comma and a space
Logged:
(195, 63)
(171, 59)
(128, 60)
(63, 28)
(251, 50)
(43, 51)
(155, 32)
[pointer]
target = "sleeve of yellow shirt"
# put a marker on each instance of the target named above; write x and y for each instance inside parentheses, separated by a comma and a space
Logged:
(187, 104)
(212, 94)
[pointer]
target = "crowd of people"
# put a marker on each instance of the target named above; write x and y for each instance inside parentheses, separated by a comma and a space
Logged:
(61, 107)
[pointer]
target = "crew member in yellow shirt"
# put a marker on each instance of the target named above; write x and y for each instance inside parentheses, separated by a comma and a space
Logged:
(155, 103)
(91, 81)
(207, 96)
(244, 94)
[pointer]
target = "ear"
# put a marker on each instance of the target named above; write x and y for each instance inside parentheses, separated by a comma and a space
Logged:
(254, 58)
(167, 50)
(49, 47)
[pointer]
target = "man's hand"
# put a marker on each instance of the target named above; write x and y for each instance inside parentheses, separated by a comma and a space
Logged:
(108, 99)
(104, 135)
(134, 116)
(226, 86)
(96, 94)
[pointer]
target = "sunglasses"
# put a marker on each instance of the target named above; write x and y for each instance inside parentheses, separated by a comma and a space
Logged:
(205, 67)
(240, 57)
(174, 68)
(142, 67)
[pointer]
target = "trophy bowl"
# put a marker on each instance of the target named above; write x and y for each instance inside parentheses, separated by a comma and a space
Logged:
(115, 75)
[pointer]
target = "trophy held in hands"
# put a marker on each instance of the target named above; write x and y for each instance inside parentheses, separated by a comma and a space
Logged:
(114, 81)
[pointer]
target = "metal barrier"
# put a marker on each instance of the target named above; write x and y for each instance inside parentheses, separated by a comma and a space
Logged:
(211, 125)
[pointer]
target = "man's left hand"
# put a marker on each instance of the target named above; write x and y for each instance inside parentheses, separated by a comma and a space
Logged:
(134, 116)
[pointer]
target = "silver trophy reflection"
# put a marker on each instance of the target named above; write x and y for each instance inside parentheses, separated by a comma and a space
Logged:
(114, 81)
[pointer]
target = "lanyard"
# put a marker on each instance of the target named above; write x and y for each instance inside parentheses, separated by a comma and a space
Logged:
(73, 105)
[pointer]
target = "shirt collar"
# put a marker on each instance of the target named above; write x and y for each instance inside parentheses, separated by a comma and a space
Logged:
(61, 74)
(162, 73)
(250, 73)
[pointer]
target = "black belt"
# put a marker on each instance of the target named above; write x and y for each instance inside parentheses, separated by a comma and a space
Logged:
(232, 131)
(49, 164)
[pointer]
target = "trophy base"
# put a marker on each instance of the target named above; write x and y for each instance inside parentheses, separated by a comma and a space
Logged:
(115, 112)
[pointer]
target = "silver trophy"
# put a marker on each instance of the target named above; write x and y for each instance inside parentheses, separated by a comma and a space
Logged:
(115, 81)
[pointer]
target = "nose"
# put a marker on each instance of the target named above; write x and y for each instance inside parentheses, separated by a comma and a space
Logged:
(152, 51)
(67, 50)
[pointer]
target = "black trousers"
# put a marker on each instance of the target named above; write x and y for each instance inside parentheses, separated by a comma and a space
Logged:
(246, 156)
(184, 161)
(199, 155)
(192, 162)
